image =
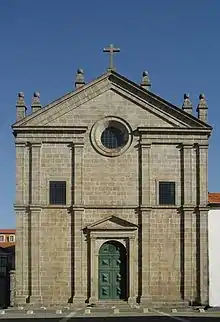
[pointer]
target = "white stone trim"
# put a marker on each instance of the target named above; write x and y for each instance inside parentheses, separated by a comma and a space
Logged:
(127, 239)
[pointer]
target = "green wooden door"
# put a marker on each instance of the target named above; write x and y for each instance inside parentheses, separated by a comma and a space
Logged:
(112, 271)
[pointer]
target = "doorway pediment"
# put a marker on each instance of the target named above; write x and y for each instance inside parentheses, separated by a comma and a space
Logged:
(111, 223)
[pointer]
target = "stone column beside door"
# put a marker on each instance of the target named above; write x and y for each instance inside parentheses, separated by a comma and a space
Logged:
(144, 224)
(12, 287)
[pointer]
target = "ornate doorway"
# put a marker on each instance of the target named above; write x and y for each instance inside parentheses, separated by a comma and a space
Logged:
(112, 271)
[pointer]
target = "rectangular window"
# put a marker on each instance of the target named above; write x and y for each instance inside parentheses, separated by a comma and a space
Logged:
(2, 238)
(57, 192)
(167, 193)
(12, 238)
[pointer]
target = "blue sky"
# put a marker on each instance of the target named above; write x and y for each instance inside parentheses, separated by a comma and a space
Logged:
(44, 42)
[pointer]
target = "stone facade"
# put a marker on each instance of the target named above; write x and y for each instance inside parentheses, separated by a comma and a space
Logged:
(111, 194)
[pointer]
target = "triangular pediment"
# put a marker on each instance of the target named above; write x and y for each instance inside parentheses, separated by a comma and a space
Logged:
(112, 223)
(52, 115)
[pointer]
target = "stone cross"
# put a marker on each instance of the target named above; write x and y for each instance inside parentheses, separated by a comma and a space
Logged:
(111, 50)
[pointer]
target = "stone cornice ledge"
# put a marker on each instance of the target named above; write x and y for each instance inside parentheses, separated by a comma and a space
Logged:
(27, 208)
(110, 206)
(148, 207)
(188, 207)
(82, 207)
(49, 129)
(171, 130)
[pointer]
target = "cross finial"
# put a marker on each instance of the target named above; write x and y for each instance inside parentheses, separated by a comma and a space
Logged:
(111, 50)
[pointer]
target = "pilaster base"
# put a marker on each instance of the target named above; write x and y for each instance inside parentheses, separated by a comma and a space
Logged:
(132, 300)
(20, 300)
(93, 300)
(145, 300)
(79, 300)
(35, 300)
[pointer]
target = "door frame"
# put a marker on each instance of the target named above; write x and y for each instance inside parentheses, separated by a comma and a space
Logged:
(127, 239)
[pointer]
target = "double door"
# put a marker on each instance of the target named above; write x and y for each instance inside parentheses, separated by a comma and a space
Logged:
(112, 271)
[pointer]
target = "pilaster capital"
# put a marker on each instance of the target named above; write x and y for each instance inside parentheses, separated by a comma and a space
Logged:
(145, 145)
(203, 146)
(79, 145)
(188, 209)
(72, 208)
(34, 208)
(186, 146)
(18, 207)
(73, 145)
(202, 209)
(92, 237)
(28, 145)
(36, 144)
(70, 146)
(145, 209)
(20, 144)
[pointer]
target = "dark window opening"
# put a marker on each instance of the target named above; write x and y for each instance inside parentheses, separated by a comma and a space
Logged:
(112, 138)
(167, 193)
(57, 192)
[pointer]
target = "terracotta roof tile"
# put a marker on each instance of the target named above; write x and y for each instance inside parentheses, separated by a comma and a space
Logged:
(7, 231)
(214, 197)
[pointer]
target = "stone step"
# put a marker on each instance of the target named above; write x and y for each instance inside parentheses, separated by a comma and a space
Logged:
(121, 308)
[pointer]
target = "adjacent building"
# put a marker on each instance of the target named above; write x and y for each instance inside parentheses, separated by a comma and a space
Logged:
(214, 240)
(7, 237)
(7, 265)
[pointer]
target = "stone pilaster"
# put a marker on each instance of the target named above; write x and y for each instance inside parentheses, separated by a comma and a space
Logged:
(79, 295)
(35, 262)
(36, 150)
(71, 146)
(194, 240)
(187, 174)
(144, 224)
(188, 255)
(145, 278)
(93, 273)
(133, 289)
(35, 178)
(78, 179)
(146, 197)
(12, 288)
(203, 255)
(194, 175)
(203, 175)
(21, 257)
(27, 174)
(20, 155)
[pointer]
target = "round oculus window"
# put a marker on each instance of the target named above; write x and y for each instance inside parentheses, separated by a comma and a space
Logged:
(113, 138)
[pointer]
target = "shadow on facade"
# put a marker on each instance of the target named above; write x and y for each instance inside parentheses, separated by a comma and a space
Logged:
(7, 263)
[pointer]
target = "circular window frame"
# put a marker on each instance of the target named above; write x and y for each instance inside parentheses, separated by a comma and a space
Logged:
(100, 126)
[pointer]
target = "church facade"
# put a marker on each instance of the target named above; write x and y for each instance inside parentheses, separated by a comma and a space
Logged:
(111, 196)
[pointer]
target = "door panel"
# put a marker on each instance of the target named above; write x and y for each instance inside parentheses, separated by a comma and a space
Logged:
(112, 271)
